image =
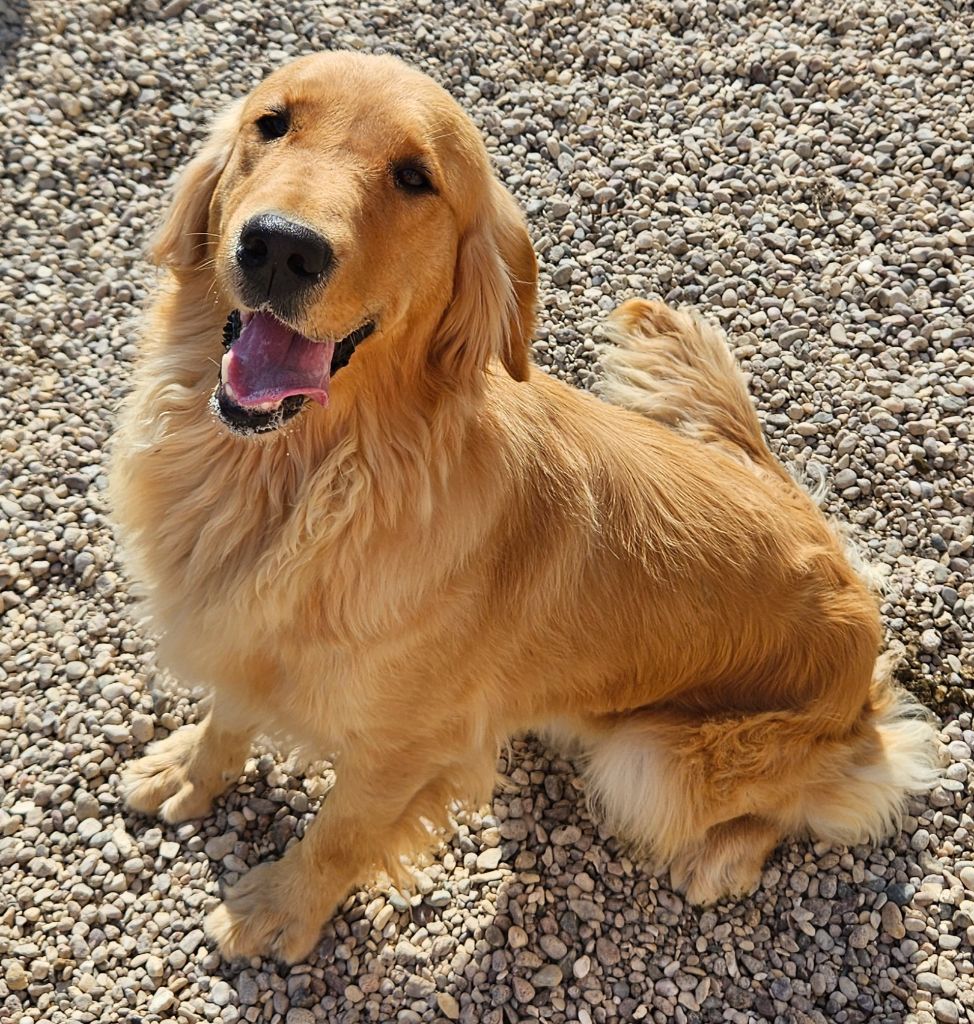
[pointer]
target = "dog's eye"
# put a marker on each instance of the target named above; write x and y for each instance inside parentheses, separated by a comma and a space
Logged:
(273, 126)
(412, 178)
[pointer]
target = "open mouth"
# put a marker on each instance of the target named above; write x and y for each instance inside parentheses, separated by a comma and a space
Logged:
(269, 370)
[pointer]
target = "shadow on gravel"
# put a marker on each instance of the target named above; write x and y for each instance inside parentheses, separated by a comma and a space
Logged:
(13, 19)
(560, 916)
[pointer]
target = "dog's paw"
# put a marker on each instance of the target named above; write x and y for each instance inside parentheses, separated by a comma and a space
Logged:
(272, 911)
(705, 879)
(727, 864)
(169, 781)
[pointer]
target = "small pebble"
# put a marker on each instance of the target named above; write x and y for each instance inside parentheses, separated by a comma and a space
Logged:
(161, 1001)
(548, 976)
(448, 1005)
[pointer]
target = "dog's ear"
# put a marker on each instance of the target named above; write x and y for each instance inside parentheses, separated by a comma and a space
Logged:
(495, 290)
(180, 243)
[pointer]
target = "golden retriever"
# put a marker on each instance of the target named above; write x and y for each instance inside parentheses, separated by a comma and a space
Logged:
(372, 525)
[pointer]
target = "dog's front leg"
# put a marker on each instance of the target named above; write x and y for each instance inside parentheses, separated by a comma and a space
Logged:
(370, 815)
(179, 776)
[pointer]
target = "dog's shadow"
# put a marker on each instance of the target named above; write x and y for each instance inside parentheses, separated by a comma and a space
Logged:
(560, 912)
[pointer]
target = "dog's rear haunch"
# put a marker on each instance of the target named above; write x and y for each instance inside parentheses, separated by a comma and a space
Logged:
(365, 521)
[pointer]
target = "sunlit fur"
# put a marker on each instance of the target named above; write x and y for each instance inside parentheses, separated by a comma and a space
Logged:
(459, 547)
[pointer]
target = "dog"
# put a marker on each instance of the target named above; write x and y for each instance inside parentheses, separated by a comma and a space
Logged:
(364, 519)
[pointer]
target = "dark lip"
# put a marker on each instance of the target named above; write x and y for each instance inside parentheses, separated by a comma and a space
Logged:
(346, 347)
(248, 421)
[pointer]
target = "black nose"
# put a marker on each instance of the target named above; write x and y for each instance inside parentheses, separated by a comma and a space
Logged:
(280, 259)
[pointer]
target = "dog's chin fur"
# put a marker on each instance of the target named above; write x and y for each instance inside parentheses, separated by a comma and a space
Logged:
(459, 548)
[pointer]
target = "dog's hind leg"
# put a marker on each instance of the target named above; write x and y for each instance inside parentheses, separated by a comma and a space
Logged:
(666, 786)
(649, 781)
(677, 369)
(710, 799)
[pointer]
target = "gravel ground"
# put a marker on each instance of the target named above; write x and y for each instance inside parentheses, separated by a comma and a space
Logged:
(804, 175)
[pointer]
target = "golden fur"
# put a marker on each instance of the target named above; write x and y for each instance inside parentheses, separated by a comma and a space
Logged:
(459, 547)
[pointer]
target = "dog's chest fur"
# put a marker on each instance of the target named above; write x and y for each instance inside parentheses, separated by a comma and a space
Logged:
(270, 574)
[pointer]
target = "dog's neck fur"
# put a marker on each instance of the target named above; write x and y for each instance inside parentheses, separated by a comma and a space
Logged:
(354, 474)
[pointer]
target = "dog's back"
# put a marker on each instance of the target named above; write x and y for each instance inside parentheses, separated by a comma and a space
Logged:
(814, 740)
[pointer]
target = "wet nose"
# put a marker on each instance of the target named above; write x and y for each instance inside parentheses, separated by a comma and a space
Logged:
(280, 259)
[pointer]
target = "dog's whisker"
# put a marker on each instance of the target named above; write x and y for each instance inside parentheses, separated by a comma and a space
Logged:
(443, 135)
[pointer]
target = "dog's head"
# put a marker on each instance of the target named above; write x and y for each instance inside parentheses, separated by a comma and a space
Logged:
(348, 201)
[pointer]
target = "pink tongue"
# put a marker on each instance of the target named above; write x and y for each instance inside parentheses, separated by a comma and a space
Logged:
(269, 361)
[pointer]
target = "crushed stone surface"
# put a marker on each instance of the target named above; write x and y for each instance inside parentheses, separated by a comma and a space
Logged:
(802, 174)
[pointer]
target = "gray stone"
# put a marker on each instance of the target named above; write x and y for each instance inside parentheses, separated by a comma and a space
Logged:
(553, 947)
(549, 976)
(190, 942)
(946, 1011)
(220, 993)
(117, 733)
(901, 893)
